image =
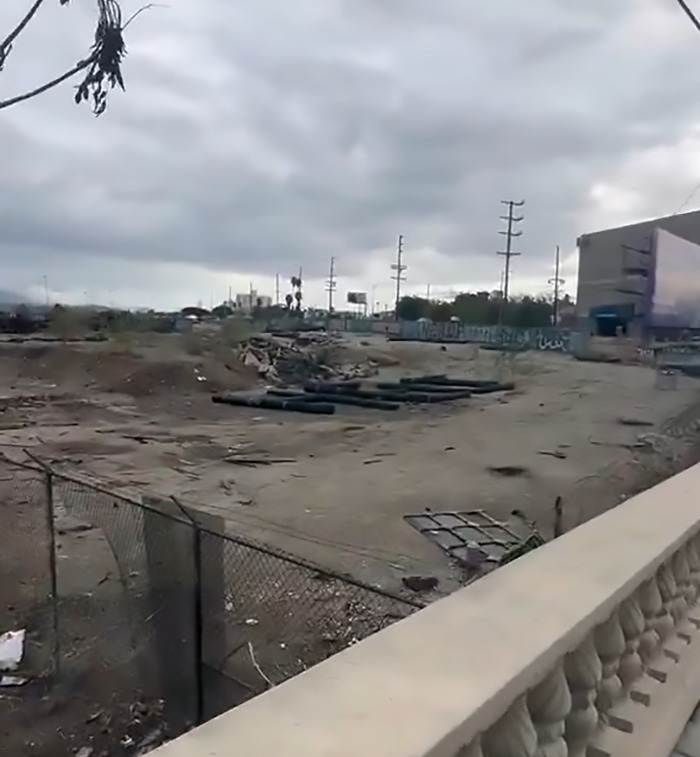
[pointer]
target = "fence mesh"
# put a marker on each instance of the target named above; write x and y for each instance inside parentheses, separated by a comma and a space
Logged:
(27, 564)
(281, 616)
(151, 598)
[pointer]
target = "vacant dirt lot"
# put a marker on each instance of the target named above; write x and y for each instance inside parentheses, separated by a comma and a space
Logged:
(140, 418)
(136, 415)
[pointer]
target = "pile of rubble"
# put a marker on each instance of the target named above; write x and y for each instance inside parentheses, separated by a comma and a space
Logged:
(292, 358)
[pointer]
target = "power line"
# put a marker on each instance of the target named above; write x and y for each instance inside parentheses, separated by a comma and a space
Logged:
(687, 199)
(689, 13)
(556, 281)
(398, 277)
(508, 253)
(331, 285)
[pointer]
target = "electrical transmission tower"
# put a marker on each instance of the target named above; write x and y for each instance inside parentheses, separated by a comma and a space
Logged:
(509, 233)
(331, 285)
(398, 268)
(556, 282)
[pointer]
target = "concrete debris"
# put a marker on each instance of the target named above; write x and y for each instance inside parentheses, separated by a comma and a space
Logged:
(295, 358)
(420, 584)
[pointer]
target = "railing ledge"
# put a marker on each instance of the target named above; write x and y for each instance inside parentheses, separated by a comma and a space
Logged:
(428, 685)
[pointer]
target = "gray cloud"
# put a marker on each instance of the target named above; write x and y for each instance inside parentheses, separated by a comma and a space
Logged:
(258, 137)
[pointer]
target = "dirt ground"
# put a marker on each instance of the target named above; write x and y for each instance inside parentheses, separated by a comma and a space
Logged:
(138, 417)
(143, 420)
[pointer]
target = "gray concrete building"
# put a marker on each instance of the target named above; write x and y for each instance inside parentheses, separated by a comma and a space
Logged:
(614, 270)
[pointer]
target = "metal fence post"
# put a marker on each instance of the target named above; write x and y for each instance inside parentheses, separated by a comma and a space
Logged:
(198, 624)
(53, 572)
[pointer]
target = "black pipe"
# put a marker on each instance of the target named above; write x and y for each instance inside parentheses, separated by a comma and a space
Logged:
(274, 403)
(446, 381)
(351, 399)
(296, 394)
(495, 387)
(433, 388)
(326, 387)
(335, 398)
(429, 379)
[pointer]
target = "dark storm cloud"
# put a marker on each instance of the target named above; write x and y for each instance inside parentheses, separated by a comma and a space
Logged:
(258, 133)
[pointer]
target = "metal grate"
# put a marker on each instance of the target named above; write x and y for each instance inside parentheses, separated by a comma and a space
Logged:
(470, 537)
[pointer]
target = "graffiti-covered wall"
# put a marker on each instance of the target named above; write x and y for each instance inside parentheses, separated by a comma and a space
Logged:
(497, 336)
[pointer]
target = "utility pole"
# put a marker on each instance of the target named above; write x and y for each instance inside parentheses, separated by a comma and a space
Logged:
(427, 292)
(46, 290)
(556, 282)
(277, 289)
(330, 286)
(398, 276)
(509, 234)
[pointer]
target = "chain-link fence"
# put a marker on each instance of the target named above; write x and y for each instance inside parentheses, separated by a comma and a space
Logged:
(152, 596)
(28, 564)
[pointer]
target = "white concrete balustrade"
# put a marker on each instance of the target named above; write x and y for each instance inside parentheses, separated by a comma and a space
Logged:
(588, 646)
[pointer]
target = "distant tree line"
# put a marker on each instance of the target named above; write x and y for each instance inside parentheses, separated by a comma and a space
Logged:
(486, 309)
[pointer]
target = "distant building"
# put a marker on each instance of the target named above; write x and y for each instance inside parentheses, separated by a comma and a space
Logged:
(248, 302)
(621, 270)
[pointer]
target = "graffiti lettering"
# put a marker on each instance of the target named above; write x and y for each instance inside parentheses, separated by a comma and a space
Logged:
(551, 339)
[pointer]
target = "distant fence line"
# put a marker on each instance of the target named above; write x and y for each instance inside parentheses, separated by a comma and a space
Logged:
(508, 337)
(153, 594)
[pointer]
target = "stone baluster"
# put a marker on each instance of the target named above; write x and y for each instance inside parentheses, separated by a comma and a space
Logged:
(691, 549)
(610, 645)
(583, 670)
(681, 572)
(674, 602)
(514, 735)
(632, 623)
(693, 556)
(472, 750)
(549, 704)
(651, 604)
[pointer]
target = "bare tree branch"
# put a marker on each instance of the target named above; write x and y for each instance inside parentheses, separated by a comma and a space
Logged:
(103, 65)
(143, 8)
(689, 13)
(6, 44)
(49, 85)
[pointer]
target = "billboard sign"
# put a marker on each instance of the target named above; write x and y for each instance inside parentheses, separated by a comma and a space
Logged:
(357, 298)
(675, 283)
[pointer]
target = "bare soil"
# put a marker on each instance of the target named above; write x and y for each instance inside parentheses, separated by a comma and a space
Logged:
(138, 417)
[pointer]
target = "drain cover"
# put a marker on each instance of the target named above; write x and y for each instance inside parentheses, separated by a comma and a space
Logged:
(472, 537)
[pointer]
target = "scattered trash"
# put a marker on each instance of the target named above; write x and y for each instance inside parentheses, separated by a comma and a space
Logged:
(84, 751)
(151, 739)
(12, 681)
(11, 649)
(634, 422)
(257, 667)
(252, 621)
(553, 453)
(420, 583)
(509, 471)
(251, 462)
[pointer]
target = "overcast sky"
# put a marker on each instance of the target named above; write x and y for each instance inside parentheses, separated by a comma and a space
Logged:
(257, 137)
